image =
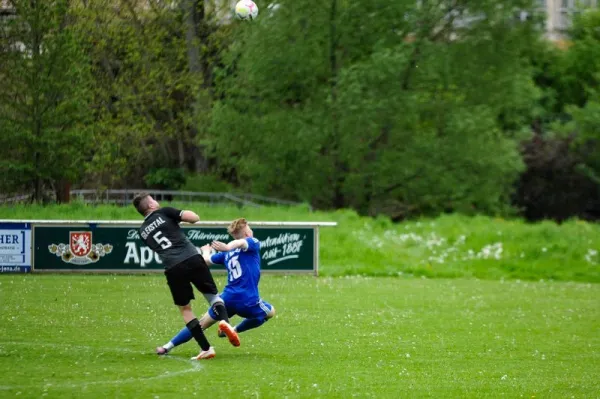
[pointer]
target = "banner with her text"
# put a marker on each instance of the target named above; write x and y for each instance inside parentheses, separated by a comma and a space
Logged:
(15, 247)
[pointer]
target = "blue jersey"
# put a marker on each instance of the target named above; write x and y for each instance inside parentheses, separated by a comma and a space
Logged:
(243, 272)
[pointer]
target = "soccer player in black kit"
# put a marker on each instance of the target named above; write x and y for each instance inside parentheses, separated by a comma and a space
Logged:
(183, 267)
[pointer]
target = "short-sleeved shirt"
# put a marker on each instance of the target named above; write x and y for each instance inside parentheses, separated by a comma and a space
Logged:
(161, 232)
(243, 272)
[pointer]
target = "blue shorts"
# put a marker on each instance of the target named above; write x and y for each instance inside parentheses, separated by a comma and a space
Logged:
(257, 311)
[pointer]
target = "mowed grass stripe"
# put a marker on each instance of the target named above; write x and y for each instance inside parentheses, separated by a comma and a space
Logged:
(66, 336)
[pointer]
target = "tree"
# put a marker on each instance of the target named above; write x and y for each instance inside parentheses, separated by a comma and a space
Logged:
(44, 102)
(583, 66)
(152, 63)
(381, 106)
(563, 159)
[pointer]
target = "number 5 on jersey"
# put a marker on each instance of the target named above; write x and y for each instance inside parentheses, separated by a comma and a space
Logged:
(164, 242)
(235, 268)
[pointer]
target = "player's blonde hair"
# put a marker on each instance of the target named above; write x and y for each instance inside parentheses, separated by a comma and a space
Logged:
(236, 227)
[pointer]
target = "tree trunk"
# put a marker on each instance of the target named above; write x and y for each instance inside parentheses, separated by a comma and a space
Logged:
(339, 167)
(63, 192)
(181, 152)
(197, 33)
(189, 9)
(38, 186)
(36, 104)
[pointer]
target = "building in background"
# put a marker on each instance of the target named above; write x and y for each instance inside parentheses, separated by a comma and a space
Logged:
(558, 15)
(6, 8)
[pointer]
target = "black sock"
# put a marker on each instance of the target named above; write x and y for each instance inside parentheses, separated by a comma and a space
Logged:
(220, 311)
(198, 334)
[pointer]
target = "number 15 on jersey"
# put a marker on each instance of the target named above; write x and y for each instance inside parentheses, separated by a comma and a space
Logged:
(235, 269)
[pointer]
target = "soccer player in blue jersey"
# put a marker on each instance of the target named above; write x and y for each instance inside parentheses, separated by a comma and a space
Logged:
(241, 258)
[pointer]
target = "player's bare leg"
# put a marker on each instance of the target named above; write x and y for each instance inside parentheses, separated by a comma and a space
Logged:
(206, 321)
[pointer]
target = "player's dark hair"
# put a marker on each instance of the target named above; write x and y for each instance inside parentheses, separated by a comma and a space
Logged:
(140, 202)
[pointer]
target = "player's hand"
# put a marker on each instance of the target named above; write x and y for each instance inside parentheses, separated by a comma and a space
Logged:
(219, 246)
(206, 249)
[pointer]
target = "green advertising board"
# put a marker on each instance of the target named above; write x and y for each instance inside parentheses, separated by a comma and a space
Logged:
(113, 247)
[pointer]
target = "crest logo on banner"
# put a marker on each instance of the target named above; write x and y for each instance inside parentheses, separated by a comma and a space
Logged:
(81, 250)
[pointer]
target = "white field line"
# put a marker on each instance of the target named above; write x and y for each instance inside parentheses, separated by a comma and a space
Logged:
(194, 367)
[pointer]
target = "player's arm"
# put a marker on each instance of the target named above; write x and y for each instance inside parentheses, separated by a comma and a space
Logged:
(189, 217)
(212, 258)
(180, 216)
(230, 246)
(206, 253)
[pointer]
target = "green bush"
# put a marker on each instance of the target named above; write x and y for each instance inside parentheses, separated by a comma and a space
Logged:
(205, 183)
(165, 178)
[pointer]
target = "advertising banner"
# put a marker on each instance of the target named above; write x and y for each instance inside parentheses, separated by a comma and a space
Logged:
(15, 247)
(98, 247)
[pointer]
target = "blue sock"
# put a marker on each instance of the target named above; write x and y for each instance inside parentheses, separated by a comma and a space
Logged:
(182, 337)
(248, 324)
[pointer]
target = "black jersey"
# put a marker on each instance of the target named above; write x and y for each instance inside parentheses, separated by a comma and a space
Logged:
(161, 232)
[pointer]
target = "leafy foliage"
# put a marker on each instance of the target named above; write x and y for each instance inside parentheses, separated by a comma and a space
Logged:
(148, 93)
(46, 81)
(397, 107)
(421, 115)
(164, 178)
(563, 159)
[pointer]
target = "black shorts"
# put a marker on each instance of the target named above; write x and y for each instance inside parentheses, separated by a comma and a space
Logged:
(180, 278)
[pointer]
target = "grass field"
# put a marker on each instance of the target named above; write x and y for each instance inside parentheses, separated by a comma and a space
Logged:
(93, 336)
(519, 317)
